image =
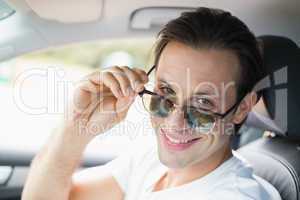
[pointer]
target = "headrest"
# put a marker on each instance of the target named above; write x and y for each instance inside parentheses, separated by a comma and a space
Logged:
(281, 87)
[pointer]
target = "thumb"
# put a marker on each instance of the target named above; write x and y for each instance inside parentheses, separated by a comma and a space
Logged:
(123, 105)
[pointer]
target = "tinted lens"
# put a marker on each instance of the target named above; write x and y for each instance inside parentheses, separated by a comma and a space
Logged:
(201, 121)
(157, 105)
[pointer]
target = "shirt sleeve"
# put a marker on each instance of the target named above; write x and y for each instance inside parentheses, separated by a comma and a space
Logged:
(121, 168)
(127, 165)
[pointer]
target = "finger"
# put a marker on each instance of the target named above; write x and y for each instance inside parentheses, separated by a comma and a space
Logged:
(89, 86)
(85, 92)
(135, 79)
(123, 80)
(142, 74)
(122, 107)
(109, 81)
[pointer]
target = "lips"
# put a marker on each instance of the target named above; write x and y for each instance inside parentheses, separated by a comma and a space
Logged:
(177, 142)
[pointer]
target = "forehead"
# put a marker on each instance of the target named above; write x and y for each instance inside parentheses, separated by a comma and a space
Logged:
(185, 66)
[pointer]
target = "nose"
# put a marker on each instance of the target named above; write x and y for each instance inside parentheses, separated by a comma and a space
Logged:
(176, 120)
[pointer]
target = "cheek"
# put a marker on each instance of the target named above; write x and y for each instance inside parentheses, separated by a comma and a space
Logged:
(156, 122)
(222, 127)
(219, 140)
(219, 136)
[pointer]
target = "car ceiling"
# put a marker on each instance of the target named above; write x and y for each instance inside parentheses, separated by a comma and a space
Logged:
(40, 24)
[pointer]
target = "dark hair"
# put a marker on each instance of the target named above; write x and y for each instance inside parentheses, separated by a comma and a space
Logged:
(217, 29)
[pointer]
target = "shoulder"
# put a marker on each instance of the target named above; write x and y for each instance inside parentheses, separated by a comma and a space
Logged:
(241, 183)
(131, 162)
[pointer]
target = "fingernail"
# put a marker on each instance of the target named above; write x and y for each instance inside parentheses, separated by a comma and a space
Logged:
(145, 79)
(137, 85)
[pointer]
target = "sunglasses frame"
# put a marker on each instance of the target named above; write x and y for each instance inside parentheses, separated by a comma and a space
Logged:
(214, 114)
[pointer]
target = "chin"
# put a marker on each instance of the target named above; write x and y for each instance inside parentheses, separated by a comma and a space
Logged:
(175, 160)
(172, 162)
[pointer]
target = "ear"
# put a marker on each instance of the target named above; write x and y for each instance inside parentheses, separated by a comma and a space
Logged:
(245, 107)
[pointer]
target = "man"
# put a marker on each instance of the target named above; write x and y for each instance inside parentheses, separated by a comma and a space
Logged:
(206, 65)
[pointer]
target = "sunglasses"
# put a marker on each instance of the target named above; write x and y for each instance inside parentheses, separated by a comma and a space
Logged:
(162, 106)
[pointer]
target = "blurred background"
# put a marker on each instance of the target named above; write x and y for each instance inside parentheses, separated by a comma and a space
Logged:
(35, 87)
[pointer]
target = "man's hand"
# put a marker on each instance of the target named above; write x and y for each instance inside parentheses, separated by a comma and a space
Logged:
(101, 100)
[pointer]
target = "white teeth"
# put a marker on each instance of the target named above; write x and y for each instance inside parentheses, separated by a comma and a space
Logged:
(177, 141)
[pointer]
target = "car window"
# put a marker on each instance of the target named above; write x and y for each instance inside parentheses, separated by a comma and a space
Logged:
(5, 11)
(35, 87)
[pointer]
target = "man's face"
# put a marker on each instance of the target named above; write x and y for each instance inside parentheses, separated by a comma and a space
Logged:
(201, 78)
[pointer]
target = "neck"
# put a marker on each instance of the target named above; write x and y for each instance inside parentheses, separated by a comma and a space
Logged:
(176, 177)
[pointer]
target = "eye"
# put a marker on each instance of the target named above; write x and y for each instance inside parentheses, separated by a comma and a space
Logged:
(167, 90)
(206, 104)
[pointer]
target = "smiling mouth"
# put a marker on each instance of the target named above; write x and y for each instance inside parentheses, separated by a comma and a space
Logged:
(181, 141)
(177, 143)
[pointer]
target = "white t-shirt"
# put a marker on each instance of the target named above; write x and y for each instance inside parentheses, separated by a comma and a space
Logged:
(138, 172)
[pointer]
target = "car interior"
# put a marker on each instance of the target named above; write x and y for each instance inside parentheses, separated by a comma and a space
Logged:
(277, 159)
(269, 140)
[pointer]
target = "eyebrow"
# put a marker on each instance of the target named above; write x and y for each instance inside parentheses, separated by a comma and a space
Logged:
(209, 94)
(203, 93)
(165, 82)
(197, 94)
(162, 80)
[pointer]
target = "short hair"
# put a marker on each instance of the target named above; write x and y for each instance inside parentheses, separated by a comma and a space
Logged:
(216, 29)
